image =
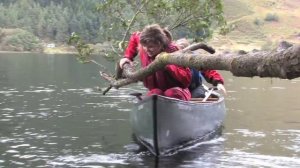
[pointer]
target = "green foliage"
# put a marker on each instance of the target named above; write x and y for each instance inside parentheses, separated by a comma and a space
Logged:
(227, 28)
(24, 41)
(258, 22)
(194, 19)
(53, 20)
(272, 17)
(84, 50)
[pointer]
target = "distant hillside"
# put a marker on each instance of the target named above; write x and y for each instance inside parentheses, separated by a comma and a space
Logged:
(19, 40)
(259, 24)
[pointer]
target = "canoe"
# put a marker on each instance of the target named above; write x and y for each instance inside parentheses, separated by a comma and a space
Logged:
(164, 125)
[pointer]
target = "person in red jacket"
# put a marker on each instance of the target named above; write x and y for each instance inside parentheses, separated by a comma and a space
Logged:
(172, 81)
(211, 76)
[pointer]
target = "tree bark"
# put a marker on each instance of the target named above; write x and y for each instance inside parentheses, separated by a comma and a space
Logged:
(278, 63)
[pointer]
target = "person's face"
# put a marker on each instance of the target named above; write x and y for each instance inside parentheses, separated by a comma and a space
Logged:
(152, 49)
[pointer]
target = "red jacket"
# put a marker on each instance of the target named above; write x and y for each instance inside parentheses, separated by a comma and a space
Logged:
(213, 77)
(171, 76)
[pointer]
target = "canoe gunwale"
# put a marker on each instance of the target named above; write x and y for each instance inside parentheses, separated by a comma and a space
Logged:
(191, 102)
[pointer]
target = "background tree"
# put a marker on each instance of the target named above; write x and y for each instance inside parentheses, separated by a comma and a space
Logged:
(53, 20)
(192, 19)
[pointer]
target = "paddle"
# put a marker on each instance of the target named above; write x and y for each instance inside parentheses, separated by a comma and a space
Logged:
(207, 94)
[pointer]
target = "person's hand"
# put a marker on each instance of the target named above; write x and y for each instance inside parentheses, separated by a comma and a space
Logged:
(124, 61)
(221, 87)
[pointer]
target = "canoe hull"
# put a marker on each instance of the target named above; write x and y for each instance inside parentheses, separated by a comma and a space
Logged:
(163, 124)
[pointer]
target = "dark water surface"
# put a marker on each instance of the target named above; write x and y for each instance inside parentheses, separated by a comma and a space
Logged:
(51, 115)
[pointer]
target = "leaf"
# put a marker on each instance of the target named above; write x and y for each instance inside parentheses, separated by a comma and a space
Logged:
(84, 50)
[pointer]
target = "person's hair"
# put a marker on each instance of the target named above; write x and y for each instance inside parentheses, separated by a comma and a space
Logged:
(182, 43)
(155, 34)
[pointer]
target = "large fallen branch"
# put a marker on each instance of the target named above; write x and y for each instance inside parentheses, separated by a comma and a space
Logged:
(278, 63)
(130, 74)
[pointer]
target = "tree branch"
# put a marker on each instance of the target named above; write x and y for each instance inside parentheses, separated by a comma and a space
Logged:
(131, 23)
(284, 64)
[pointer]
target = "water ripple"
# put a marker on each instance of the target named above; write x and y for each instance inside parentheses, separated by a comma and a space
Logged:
(247, 133)
(237, 158)
(93, 160)
(294, 139)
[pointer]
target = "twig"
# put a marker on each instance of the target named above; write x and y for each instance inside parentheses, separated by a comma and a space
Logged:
(197, 46)
(95, 62)
(107, 89)
(131, 23)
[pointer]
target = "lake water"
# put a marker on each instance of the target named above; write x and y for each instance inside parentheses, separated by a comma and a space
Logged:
(52, 115)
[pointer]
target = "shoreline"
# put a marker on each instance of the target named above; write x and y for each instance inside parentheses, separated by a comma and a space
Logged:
(28, 52)
(35, 52)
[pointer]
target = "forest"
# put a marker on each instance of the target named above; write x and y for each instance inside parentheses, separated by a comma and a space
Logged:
(25, 24)
(53, 20)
